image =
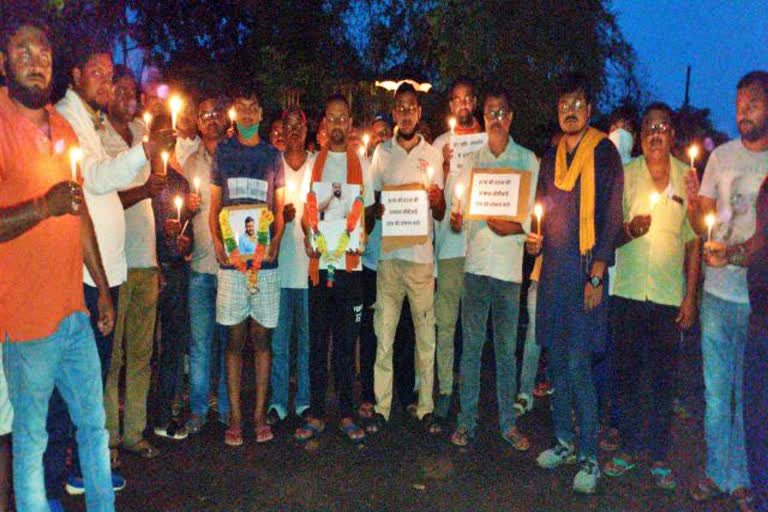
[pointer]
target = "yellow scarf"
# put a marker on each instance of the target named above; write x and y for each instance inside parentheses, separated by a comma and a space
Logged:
(582, 165)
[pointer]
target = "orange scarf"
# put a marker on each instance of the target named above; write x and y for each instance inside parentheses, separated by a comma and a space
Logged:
(582, 166)
(354, 177)
(475, 128)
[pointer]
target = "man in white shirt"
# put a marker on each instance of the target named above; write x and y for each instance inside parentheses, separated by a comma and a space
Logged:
(493, 276)
(407, 271)
(102, 177)
(450, 245)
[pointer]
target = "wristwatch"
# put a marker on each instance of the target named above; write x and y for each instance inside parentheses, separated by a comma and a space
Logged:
(595, 281)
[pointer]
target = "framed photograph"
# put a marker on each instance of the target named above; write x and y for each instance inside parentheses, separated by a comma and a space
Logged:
(334, 203)
(239, 228)
(499, 193)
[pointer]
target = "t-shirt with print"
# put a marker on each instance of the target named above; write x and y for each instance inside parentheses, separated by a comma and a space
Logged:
(335, 171)
(248, 175)
(294, 262)
(732, 178)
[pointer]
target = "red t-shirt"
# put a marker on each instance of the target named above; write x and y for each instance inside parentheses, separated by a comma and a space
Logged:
(41, 271)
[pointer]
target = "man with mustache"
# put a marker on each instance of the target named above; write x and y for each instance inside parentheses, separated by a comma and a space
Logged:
(493, 276)
(408, 271)
(46, 235)
(450, 246)
(654, 296)
(580, 188)
(733, 169)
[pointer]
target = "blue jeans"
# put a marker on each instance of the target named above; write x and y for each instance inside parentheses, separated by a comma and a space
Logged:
(294, 313)
(482, 295)
(67, 360)
(723, 335)
(570, 373)
(202, 348)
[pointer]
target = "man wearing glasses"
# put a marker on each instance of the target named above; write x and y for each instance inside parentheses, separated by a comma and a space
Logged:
(407, 271)
(207, 339)
(580, 189)
(492, 274)
(450, 246)
(654, 296)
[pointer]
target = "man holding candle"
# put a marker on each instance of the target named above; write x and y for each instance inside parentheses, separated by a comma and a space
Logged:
(249, 171)
(137, 304)
(294, 265)
(729, 190)
(450, 245)
(580, 188)
(654, 297)
(207, 339)
(46, 235)
(407, 271)
(336, 297)
(492, 279)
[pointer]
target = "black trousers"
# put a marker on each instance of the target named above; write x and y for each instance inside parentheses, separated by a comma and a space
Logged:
(337, 312)
(645, 352)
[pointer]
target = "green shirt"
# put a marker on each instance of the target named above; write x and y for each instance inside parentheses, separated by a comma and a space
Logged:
(651, 267)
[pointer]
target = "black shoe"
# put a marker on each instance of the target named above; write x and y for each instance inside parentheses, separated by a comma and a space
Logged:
(376, 424)
(431, 424)
(273, 418)
(172, 431)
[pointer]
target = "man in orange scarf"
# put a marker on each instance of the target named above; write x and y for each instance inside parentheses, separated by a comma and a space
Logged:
(580, 188)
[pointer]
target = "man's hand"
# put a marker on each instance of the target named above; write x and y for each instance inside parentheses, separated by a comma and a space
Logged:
(106, 314)
(272, 252)
(221, 253)
(155, 184)
(592, 297)
(289, 212)
(639, 225)
(692, 186)
(435, 195)
(715, 254)
(457, 221)
(312, 253)
(193, 203)
(171, 228)
(64, 198)
(183, 244)
(687, 314)
(533, 244)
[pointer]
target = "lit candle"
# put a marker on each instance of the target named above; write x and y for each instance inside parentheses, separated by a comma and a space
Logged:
(366, 141)
(175, 103)
(430, 173)
(710, 220)
(654, 199)
(232, 114)
(452, 124)
(458, 192)
(538, 211)
(291, 186)
(147, 120)
(693, 152)
(361, 152)
(179, 203)
(196, 181)
(165, 156)
(75, 154)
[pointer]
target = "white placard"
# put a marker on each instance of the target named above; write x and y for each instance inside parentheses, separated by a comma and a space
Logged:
(463, 147)
(406, 213)
(494, 195)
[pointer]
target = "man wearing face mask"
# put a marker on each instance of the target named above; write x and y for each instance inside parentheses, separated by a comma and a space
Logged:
(493, 274)
(655, 294)
(622, 133)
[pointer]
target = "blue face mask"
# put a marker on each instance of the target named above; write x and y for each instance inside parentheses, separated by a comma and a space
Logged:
(247, 132)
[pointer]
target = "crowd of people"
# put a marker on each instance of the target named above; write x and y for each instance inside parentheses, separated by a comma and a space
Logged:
(102, 246)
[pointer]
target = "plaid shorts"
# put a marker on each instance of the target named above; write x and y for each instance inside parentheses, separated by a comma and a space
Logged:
(235, 302)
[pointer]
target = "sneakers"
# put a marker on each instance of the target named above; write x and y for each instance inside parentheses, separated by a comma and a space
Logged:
(523, 403)
(585, 481)
(75, 485)
(172, 431)
(195, 424)
(561, 453)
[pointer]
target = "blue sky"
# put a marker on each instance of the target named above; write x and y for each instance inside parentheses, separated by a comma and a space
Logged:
(721, 39)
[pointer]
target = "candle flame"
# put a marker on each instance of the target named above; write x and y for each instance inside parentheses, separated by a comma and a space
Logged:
(459, 190)
(452, 123)
(196, 180)
(538, 211)
(75, 154)
(710, 220)
(147, 119)
(366, 139)
(654, 198)
(693, 152)
(232, 114)
(430, 172)
(178, 201)
(165, 156)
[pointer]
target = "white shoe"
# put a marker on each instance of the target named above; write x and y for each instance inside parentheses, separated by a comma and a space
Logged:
(523, 403)
(585, 481)
(561, 453)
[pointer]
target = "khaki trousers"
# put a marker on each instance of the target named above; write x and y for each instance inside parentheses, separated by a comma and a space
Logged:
(450, 285)
(134, 332)
(396, 280)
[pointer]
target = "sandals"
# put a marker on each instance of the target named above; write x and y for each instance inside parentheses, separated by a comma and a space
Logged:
(619, 465)
(308, 431)
(114, 458)
(366, 410)
(516, 439)
(354, 433)
(143, 449)
(233, 436)
(462, 437)
(705, 490)
(663, 478)
(264, 434)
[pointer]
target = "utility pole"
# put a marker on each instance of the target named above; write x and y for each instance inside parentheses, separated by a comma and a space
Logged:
(687, 87)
